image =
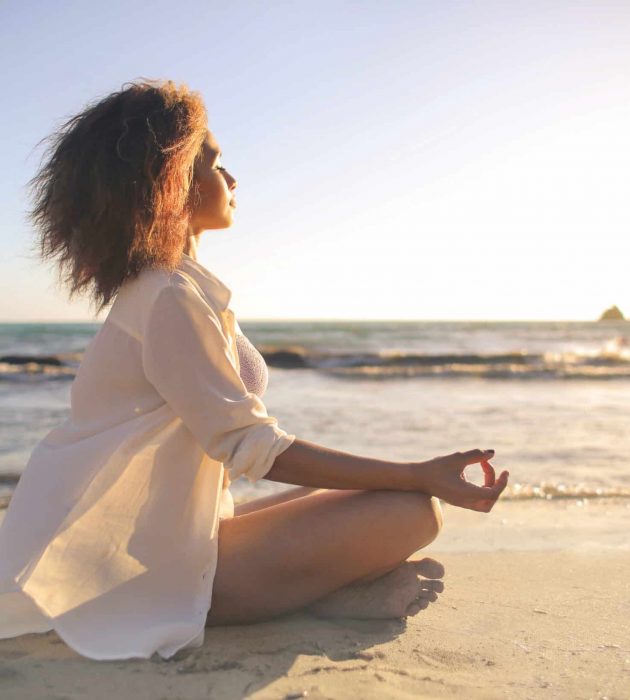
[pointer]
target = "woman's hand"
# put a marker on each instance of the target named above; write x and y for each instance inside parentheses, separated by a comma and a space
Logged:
(444, 478)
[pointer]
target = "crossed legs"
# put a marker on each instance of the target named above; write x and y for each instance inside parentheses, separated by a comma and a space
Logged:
(284, 557)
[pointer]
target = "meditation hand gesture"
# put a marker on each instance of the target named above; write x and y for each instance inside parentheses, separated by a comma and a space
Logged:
(444, 478)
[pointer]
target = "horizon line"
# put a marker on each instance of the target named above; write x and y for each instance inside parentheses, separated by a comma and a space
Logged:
(354, 320)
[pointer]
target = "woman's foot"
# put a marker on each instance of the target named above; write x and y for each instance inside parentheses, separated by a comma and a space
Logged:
(404, 591)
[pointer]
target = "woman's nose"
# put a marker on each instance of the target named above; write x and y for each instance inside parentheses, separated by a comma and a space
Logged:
(230, 179)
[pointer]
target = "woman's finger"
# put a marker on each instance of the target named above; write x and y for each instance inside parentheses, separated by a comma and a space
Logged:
(501, 483)
(476, 456)
(495, 492)
(488, 473)
(483, 494)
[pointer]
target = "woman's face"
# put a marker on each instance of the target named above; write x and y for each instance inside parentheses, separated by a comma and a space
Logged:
(214, 208)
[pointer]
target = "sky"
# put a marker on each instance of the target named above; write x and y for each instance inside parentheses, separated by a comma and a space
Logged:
(395, 160)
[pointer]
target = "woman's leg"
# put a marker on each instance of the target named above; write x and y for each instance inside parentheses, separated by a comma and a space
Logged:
(290, 495)
(282, 558)
(275, 498)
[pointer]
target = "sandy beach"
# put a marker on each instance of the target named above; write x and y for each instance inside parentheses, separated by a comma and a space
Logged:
(387, 232)
(536, 605)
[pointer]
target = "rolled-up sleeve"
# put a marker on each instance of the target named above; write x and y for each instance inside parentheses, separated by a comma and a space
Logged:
(188, 359)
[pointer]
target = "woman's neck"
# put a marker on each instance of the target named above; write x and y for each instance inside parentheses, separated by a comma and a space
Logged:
(191, 246)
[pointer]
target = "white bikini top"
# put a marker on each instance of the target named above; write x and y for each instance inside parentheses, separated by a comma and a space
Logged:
(253, 368)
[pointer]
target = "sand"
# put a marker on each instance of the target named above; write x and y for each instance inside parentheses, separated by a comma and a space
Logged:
(536, 605)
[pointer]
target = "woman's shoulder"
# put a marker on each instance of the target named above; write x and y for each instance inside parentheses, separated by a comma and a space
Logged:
(208, 283)
(137, 297)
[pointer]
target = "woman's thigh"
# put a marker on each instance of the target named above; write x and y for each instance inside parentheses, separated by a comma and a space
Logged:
(279, 559)
(275, 499)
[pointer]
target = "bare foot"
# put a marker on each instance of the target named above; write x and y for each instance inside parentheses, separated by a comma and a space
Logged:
(404, 591)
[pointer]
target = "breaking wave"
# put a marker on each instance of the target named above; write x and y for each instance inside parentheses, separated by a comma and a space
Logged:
(546, 491)
(609, 363)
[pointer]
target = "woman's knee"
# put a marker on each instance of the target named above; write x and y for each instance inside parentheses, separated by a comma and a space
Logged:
(423, 518)
(438, 516)
(416, 518)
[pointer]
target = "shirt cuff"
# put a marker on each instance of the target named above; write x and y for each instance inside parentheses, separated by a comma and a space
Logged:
(271, 441)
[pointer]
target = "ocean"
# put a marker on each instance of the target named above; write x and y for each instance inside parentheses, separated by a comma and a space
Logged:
(552, 398)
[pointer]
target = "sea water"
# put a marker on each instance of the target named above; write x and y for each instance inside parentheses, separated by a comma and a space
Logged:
(552, 398)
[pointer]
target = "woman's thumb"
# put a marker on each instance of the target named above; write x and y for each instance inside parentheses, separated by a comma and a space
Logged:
(501, 482)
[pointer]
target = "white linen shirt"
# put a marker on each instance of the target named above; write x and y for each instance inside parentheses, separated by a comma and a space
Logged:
(110, 537)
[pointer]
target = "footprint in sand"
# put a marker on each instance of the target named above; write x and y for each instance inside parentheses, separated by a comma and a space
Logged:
(402, 592)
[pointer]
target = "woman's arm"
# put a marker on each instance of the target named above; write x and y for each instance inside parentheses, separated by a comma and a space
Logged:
(307, 464)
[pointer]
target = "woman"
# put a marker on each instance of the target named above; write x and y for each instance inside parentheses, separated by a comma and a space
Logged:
(121, 534)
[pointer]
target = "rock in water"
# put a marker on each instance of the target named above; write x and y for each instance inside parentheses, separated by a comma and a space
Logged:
(612, 314)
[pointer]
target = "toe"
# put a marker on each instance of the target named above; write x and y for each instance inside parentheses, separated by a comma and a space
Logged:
(422, 602)
(416, 606)
(430, 568)
(413, 609)
(431, 584)
(437, 586)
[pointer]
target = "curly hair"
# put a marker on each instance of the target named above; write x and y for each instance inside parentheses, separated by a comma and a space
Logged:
(111, 196)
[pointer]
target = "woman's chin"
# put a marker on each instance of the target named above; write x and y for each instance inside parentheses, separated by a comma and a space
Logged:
(225, 222)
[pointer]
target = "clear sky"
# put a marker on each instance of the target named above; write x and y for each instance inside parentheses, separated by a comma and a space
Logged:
(404, 160)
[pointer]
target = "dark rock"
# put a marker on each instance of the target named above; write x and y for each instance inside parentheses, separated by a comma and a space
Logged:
(286, 359)
(612, 314)
(26, 359)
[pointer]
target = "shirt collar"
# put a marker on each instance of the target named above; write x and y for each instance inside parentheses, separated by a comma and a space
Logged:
(212, 285)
